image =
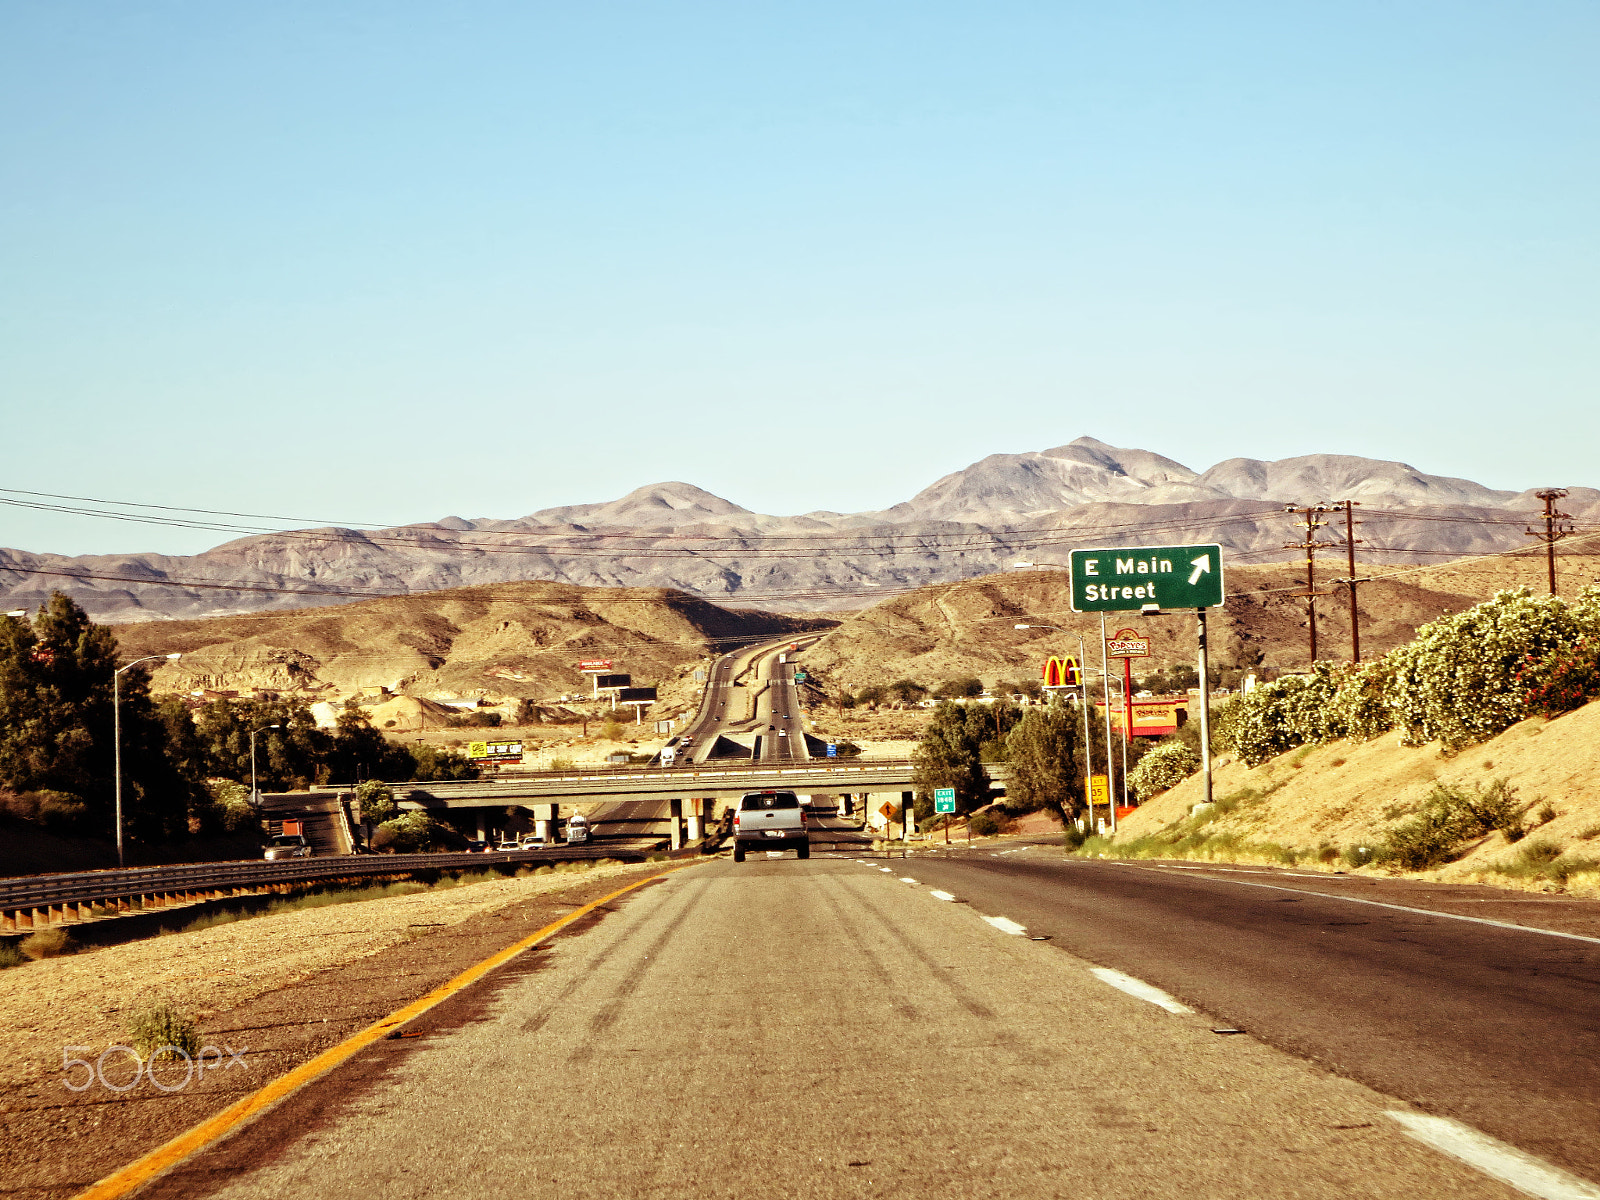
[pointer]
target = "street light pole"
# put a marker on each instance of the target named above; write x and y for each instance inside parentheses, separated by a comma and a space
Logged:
(116, 735)
(255, 792)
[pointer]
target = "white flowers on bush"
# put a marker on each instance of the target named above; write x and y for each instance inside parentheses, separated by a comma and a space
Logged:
(1163, 767)
(1455, 682)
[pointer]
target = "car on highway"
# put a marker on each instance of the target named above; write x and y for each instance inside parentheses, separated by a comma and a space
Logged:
(770, 821)
(509, 844)
(475, 846)
(532, 841)
(286, 845)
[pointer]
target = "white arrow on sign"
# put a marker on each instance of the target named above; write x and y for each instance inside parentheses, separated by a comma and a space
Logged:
(1202, 566)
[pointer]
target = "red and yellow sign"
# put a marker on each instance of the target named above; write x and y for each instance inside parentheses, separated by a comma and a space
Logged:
(1126, 643)
(1151, 718)
(1062, 672)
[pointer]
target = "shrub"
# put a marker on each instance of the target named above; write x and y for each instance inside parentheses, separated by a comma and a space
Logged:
(230, 809)
(1467, 676)
(413, 833)
(1449, 817)
(376, 800)
(158, 1029)
(990, 823)
(60, 813)
(1563, 679)
(1162, 768)
(10, 956)
(47, 943)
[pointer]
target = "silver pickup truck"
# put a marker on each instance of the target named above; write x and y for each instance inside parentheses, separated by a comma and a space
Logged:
(770, 821)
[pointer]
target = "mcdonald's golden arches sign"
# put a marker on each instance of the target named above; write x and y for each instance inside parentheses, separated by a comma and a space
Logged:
(1062, 672)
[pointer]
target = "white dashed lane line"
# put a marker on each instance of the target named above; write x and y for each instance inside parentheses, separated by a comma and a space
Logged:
(1494, 1158)
(1140, 989)
(906, 879)
(1006, 925)
(941, 895)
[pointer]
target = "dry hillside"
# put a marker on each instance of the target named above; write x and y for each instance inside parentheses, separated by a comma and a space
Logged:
(1347, 794)
(967, 628)
(499, 642)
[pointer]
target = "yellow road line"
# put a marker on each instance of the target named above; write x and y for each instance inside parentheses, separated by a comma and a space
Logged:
(163, 1158)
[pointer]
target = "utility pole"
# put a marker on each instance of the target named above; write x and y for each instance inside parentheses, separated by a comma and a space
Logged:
(1310, 546)
(1552, 532)
(1348, 507)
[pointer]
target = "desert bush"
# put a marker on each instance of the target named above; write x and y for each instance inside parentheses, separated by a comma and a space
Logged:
(990, 823)
(47, 943)
(157, 1029)
(1362, 708)
(1449, 817)
(10, 956)
(1162, 768)
(230, 809)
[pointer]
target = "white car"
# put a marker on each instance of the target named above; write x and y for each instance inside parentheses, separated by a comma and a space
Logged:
(287, 845)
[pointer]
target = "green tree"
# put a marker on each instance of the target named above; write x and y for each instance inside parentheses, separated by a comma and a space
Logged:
(907, 691)
(56, 728)
(951, 753)
(1045, 755)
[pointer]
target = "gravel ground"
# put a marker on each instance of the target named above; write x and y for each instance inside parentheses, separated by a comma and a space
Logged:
(86, 999)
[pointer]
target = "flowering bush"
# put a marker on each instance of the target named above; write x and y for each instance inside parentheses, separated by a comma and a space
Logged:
(1457, 681)
(1563, 679)
(1165, 766)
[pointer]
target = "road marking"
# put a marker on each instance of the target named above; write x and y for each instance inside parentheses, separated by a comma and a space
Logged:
(162, 1158)
(1405, 908)
(906, 879)
(1006, 925)
(941, 895)
(1140, 989)
(1494, 1158)
(888, 869)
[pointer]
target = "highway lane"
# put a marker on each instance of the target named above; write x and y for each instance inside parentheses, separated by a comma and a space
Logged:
(817, 1029)
(1499, 1028)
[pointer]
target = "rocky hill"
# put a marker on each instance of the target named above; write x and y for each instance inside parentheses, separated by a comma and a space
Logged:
(505, 642)
(1033, 506)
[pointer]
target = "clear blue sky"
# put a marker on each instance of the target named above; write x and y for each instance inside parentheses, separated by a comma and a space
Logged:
(393, 261)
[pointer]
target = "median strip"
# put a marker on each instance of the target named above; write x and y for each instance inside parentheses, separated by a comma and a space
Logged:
(1494, 1158)
(1139, 989)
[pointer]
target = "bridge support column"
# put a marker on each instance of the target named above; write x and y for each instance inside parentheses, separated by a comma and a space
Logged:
(545, 819)
(696, 830)
(675, 824)
(908, 815)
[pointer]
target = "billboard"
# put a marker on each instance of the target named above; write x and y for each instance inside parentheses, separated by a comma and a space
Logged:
(635, 695)
(612, 681)
(1151, 718)
(494, 752)
(595, 664)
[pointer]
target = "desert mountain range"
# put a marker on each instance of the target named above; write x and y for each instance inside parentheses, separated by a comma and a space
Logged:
(1032, 506)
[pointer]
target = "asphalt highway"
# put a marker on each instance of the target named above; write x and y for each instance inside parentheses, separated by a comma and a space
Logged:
(1496, 1027)
(822, 1029)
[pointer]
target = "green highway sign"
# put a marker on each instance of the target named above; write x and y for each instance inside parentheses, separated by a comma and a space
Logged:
(1125, 579)
(944, 800)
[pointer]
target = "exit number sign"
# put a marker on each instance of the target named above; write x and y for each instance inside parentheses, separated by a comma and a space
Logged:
(1129, 578)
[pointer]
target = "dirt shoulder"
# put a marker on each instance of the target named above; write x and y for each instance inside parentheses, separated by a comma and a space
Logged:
(270, 993)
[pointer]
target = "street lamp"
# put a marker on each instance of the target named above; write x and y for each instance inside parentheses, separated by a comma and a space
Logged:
(255, 792)
(116, 733)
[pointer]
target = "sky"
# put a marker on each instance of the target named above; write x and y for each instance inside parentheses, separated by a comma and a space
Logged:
(388, 262)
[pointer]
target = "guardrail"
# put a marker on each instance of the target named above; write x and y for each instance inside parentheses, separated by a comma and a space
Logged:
(39, 901)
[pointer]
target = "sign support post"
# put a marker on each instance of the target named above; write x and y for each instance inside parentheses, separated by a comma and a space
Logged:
(1105, 688)
(1205, 707)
